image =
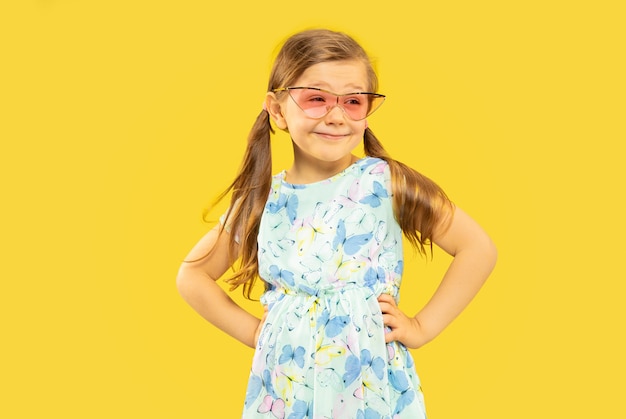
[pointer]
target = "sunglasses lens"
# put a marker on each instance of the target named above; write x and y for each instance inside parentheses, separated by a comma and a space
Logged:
(359, 106)
(313, 102)
(374, 102)
(316, 103)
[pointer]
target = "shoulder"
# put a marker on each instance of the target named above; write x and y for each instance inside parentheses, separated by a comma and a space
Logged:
(374, 169)
(374, 166)
(374, 180)
(278, 177)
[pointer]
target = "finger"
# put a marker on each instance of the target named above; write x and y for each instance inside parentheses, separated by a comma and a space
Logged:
(390, 336)
(389, 320)
(265, 311)
(386, 298)
(385, 307)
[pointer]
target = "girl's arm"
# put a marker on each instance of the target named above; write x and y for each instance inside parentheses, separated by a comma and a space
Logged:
(474, 259)
(196, 283)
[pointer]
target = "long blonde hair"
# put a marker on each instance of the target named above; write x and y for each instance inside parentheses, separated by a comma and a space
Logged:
(419, 204)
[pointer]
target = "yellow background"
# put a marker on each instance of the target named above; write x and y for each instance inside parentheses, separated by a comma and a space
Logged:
(121, 120)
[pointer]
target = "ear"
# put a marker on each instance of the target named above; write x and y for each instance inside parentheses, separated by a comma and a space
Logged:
(274, 108)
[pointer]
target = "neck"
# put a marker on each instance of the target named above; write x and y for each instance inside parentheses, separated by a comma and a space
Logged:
(305, 171)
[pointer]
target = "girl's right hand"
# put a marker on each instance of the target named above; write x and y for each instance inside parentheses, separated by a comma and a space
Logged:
(406, 330)
(257, 332)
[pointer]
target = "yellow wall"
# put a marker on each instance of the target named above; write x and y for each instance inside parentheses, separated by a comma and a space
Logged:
(120, 120)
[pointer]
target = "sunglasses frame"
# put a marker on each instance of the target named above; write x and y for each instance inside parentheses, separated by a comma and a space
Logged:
(329, 108)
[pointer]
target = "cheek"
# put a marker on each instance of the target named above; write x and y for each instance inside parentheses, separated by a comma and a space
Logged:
(356, 140)
(360, 130)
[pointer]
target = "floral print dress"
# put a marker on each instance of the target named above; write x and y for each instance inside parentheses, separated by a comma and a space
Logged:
(327, 250)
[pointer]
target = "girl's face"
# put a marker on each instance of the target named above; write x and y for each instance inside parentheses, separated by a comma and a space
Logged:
(333, 137)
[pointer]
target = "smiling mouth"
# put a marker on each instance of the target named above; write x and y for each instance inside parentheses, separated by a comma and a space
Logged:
(331, 136)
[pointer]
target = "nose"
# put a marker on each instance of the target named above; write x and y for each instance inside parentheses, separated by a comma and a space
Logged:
(335, 113)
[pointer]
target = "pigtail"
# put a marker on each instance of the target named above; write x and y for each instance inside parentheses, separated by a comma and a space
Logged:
(420, 205)
(250, 190)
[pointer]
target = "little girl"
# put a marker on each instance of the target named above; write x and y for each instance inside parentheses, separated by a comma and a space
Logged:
(325, 237)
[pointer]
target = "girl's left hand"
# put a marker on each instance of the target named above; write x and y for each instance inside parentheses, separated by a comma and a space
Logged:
(257, 332)
(404, 329)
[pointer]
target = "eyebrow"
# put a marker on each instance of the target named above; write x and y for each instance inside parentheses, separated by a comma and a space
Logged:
(323, 85)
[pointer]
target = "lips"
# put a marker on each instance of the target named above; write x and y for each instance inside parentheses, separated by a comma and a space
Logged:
(329, 135)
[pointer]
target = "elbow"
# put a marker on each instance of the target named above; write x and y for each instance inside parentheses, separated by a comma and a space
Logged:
(192, 281)
(490, 254)
(484, 253)
(183, 281)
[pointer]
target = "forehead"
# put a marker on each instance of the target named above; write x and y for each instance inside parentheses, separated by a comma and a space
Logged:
(336, 76)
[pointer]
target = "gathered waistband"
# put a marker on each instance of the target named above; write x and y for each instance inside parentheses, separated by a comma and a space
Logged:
(320, 292)
(312, 295)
